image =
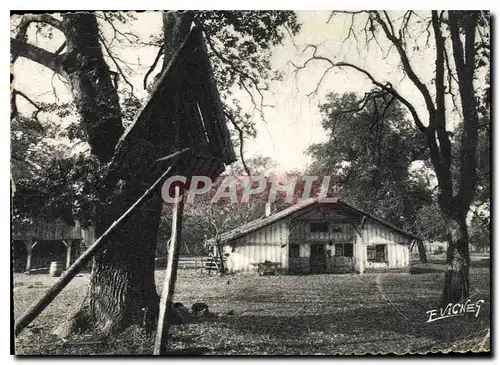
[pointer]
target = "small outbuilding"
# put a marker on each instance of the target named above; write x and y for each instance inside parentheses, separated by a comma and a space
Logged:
(318, 237)
(38, 243)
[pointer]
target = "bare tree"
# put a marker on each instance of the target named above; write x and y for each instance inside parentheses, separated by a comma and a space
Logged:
(461, 44)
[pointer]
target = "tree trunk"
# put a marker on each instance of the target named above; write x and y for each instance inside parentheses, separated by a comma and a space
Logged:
(220, 252)
(456, 280)
(122, 280)
(94, 94)
(122, 289)
(123, 284)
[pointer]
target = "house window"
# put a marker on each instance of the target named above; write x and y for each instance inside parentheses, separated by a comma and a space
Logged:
(339, 249)
(294, 250)
(317, 227)
(376, 253)
(344, 249)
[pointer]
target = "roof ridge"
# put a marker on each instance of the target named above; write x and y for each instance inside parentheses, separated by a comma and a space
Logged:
(263, 221)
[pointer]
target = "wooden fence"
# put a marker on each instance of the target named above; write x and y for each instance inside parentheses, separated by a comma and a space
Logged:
(202, 263)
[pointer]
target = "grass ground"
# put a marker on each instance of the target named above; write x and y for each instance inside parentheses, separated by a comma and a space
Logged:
(312, 314)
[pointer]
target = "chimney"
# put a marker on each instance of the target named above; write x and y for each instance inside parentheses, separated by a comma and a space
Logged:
(268, 209)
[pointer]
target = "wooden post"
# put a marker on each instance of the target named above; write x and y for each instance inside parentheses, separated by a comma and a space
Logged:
(362, 251)
(68, 254)
(85, 257)
(170, 275)
(29, 248)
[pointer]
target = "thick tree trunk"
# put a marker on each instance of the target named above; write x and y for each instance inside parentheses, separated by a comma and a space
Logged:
(122, 289)
(122, 280)
(94, 94)
(456, 281)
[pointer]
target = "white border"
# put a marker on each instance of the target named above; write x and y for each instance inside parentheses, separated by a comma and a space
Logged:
(5, 323)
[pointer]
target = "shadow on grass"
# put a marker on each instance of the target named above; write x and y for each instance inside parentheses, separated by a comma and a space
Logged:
(427, 268)
(357, 326)
(440, 266)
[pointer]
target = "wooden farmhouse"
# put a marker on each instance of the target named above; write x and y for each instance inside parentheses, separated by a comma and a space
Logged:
(314, 237)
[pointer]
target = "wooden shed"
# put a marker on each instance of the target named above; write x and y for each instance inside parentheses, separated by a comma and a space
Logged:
(36, 244)
(317, 237)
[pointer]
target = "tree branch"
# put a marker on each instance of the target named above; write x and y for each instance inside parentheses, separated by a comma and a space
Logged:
(36, 54)
(28, 99)
(26, 21)
(384, 86)
(118, 68)
(153, 66)
(388, 87)
(386, 27)
(244, 75)
(126, 35)
(241, 136)
(61, 48)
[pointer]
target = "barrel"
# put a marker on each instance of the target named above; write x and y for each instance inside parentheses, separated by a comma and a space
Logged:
(56, 268)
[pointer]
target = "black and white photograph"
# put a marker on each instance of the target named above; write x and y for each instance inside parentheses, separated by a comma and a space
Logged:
(250, 182)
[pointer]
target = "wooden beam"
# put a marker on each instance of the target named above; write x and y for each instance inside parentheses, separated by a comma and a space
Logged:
(214, 97)
(29, 247)
(69, 274)
(68, 254)
(170, 275)
(360, 227)
(362, 222)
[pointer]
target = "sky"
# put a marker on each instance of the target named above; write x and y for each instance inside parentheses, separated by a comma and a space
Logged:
(294, 121)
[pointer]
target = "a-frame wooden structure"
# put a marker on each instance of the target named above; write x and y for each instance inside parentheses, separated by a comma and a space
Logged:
(183, 121)
(183, 111)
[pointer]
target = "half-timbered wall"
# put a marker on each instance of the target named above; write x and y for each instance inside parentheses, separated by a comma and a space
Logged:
(340, 230)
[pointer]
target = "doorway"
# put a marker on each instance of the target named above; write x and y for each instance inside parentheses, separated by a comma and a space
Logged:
(318, 258)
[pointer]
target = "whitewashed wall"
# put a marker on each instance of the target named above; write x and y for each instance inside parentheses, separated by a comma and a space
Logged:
(269, 243)
(398, 247)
